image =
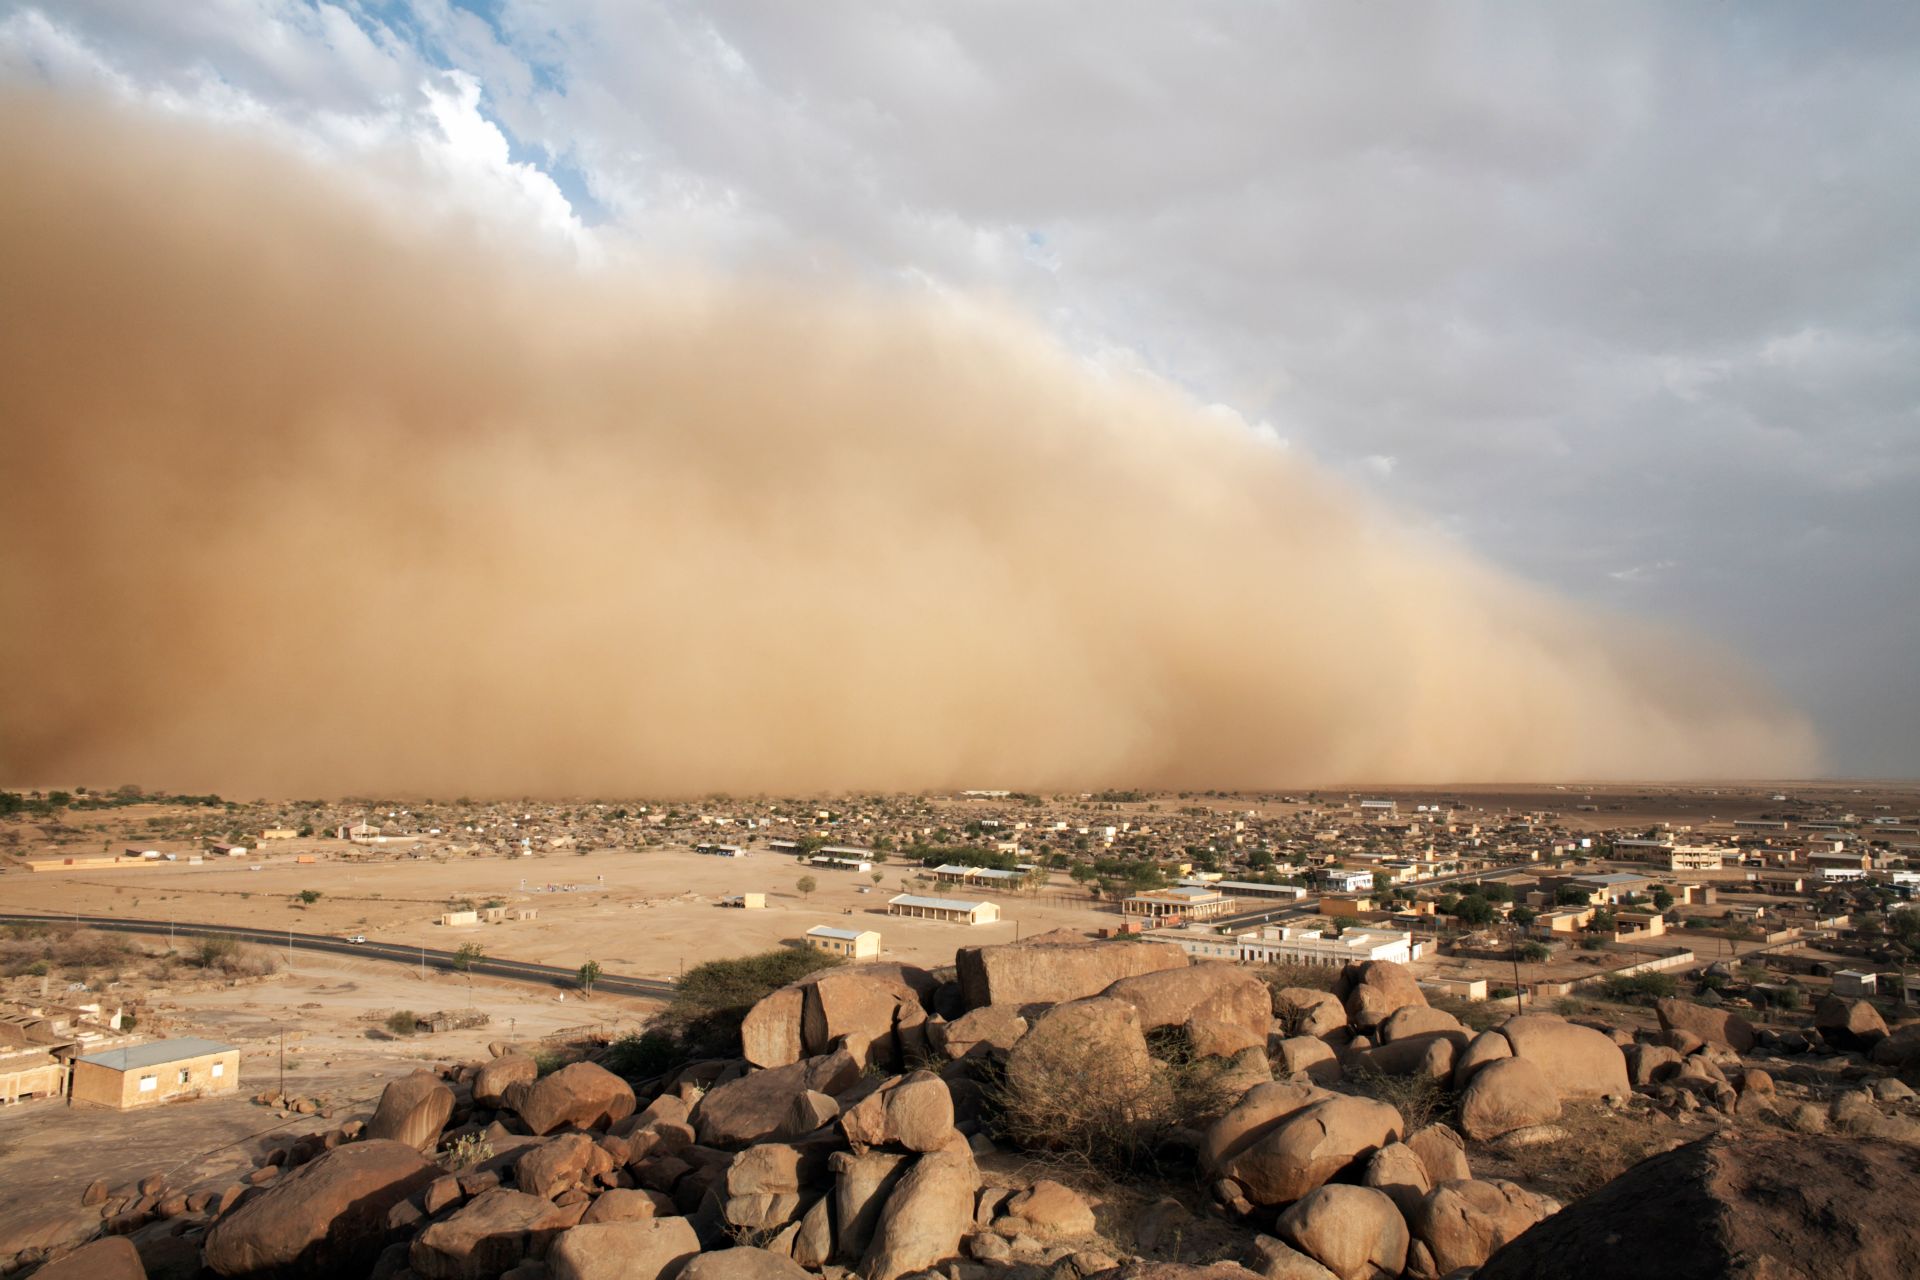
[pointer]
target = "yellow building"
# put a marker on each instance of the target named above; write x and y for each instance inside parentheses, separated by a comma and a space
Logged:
(1183, 902)
(854, 944)
(31, 1074)
(159, 1071)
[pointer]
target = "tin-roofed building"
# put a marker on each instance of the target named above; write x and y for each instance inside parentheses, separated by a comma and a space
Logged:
(1182, 902)
(854, 944)
(952, 910)
(158, 1071)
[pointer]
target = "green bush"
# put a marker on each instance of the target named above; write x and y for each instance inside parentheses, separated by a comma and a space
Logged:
(653, 1052)
(712, 999)
(402, 1022)
(1638, 988)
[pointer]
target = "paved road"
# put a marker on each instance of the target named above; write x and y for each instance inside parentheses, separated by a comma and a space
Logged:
(517, 970)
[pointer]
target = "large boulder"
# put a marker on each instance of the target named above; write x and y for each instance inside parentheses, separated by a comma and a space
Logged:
(545, 1169)
(1224, 1005)
(979, 1033)
(1321, 1141)
(930, 1209)
(1579, 1061)
(582, 1095)
(915, 1112)
(760, 1105)
(1507, 1094)
(1429, 1056)
(1309, 1056)
(861, 1185)
(1715, 1026)
(485, 1236)
(1726, 1208)
(653, 1249)
(1052, 967)
(874, 1011)
(413, 1110)
(1650, 1063)
(770, 1033)
(1397, 1170)
(764, 1183)
(1488, 1046)
(1441, 1152)
(326, 1218)
(743, 1264)
(1354, 1232)
(1377, 989)
(1420, 1020)
(1304, 1011)
(1258, 1111)
(1461, 1224)
(111, 1258)
(1050, 1208)
(1849, 1024)
(1901, 1050)
(497, 1075)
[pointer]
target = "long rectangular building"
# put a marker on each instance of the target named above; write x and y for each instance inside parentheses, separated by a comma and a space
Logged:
(951, 910)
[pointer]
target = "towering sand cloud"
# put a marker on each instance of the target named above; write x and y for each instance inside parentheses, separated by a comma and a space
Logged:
(299, 498)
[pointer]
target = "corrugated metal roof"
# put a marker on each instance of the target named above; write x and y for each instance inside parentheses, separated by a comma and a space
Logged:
(936, 904)
(828, 931)
(155, 1053)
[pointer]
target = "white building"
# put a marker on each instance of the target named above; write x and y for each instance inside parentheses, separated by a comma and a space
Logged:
(1283, 944)
(720, 850)
(951, 910)
(1344, 879)
(1695, 857)
(1200, 942)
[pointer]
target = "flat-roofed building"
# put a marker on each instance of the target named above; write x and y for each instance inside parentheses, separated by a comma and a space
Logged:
(854, 944)
(957, 873)
(720, 850)
(31, 1073)
(1182, 902)
(1695, 857)
(840, 862)
(158, 1071)
(951, 910)
(1613, 886)
(1200, 942)
(1284, 944)
(1344, 879)
(1249, 889)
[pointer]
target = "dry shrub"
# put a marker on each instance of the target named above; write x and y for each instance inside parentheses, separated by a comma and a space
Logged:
(1314, 977)
(1078, 1103)
(26, 949)
(1419, 1099)
(1601, 1144)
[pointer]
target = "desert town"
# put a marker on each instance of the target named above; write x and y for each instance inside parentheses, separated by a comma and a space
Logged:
(146, 983)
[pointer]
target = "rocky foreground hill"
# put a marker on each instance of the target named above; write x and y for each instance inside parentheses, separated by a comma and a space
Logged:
(887, 1122)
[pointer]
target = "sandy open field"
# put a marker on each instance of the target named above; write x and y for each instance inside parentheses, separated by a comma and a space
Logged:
(644, 914)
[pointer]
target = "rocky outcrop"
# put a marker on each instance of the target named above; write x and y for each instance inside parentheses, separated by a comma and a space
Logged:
(1319, 1142)
(915, 1112)
(759, 1105)
(326, 1218)
(1051, 968)
(861, 1186)
(1461, 1224)
(743, 1264)
(656, 1249)
(1354, 1232)
(1578, 1061)
(1222, 1007)
(581, 1095)
(1375, 990)
(112, 1258)
(1732, 1209)
(496, 1076)
(929, 1210)
(1094, 1044)
(1504, 1095)
(1715, 1026)
(1488, 1046)
(979, 1033)
(413, 1110)
(1304, 1011)
(1258, 1111)
(485, 1236)
(770, 1033)
(1849, 1024)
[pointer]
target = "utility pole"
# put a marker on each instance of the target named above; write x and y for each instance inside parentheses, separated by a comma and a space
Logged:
(283, 1064)
(289, 948)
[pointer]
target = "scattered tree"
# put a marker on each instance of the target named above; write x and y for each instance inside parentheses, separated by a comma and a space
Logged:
(588, 975)
(309, 896)
(806, 885)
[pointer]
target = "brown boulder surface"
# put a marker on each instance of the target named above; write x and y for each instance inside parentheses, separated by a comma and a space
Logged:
(497, 1075)
(1488, 1046)
(930, 1208)
(1579, 1061)
(1428, 1056)
(1069, 1040)
(1308, 1055)
(1441, 1152)
(1354, 1232)
(982, 1033)
(113, 1258)
(1305, 1011)
(581, 1095)
(1463, 1223)
(1398, 1170)
(1049, 968)
(1732, 1209)
(1259, 1110)
(326, 1218)
(1900, 1050)
(1178, 1271)
(1504, 1095)
(1420, 1020)
(487, 1235)
(1849, 1024)
(758, 1106)
(1715, 1026)
(1321, 1141)
(877, 1013)
(653, 1249)
(1050, 1208)
(1230, 1001)
(770, 1033)
(743, 1264)
(861, 1186)
(1376, 990)
(413, 1110)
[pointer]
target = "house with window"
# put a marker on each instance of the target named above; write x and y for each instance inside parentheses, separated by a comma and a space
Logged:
(158, 1071)
(854, 944)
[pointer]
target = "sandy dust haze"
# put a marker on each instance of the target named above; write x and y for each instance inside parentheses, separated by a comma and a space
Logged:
(299, 499)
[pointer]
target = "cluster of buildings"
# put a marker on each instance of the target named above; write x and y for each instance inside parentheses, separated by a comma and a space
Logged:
(80, 1054)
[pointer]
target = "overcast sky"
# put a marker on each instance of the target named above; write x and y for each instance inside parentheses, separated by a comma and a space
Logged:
(1624, 298)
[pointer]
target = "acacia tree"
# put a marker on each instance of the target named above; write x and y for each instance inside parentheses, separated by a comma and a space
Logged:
(806, 885)
(588, 975)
